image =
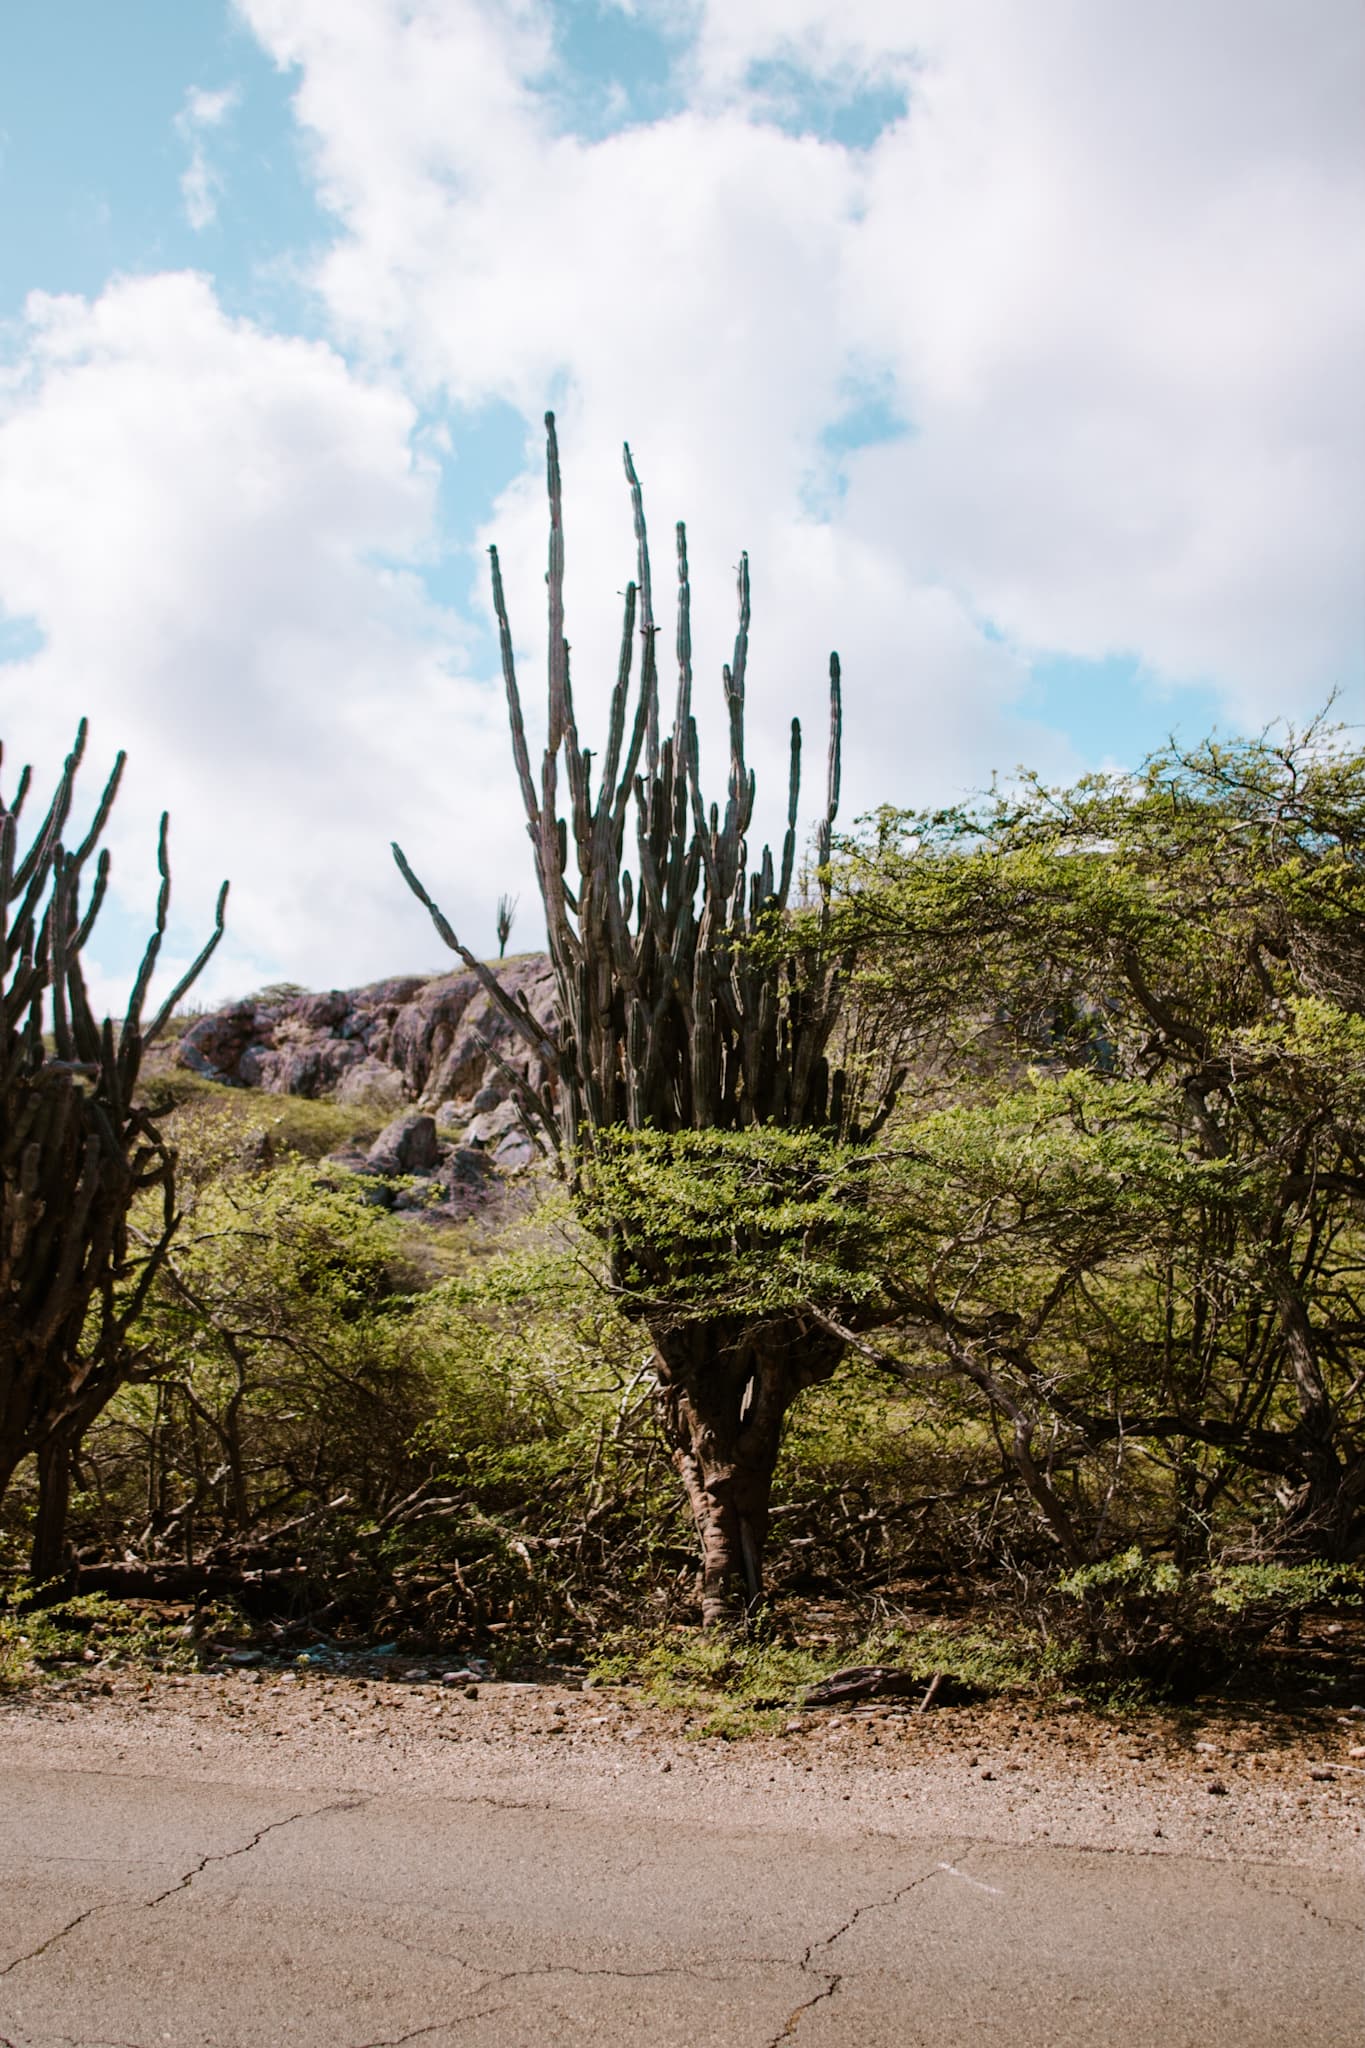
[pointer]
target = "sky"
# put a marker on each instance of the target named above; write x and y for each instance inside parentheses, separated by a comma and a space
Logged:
(1020, 348)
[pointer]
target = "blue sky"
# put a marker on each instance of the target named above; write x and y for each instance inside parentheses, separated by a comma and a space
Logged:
(1023, 364)
(92, 161)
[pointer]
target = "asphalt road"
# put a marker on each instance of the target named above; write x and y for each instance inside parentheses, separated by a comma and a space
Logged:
(138, 1909)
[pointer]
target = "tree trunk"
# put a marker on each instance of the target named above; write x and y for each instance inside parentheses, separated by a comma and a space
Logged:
(9, 1465)
(1323, 1517)
(724, 1389)
(48, 1558)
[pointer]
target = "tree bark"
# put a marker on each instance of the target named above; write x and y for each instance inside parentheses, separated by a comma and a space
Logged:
(48, 1558)
(9, 1465)
(724, 1391)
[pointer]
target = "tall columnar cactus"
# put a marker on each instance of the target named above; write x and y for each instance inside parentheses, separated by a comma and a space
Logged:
(76, 1150)
(670, 1018)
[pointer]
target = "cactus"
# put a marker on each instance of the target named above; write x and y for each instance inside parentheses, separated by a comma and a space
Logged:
(507, 913)
(76, 1150)
(669, 1017)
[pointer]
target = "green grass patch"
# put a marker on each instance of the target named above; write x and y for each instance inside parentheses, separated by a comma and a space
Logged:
(737, 1685)
(91, 1634)
(294, 1124)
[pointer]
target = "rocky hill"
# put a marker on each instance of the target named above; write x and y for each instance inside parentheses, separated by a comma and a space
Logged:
(417, 1047)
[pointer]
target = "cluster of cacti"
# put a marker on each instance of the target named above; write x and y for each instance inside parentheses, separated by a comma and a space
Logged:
(671, 1016)
(76, 1150)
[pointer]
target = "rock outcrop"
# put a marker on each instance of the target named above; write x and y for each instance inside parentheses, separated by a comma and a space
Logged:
(419, 1049)
(417, 1039)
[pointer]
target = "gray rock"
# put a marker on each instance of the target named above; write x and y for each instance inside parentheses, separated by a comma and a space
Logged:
(408, 1145)
(433, 1033)
(492, 1124)
(513, 1152)
(372, 1084)
(464, 1168)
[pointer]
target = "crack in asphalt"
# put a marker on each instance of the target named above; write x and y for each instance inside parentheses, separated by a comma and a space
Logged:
(500, 1979)
(834, 1978)
(1248, 1880)
(244, 1849)
(436, 2027)
(797, 2014)
(101, 1906)
(181, 1884)
(71, 2041)
(1324, 1919)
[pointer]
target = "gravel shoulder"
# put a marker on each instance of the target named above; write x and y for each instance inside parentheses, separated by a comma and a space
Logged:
(1254, 1789)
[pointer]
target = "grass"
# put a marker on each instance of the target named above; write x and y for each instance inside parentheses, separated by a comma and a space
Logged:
(748, 1685)
(294, 1123)
(91, 1634)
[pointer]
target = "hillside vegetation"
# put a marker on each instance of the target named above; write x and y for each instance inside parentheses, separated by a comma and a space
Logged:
(1097, 1285)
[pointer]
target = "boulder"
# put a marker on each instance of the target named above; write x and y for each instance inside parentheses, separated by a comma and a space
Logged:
(408, 1145)
(372, 1084)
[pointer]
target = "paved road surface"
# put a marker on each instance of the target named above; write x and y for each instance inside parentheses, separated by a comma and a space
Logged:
(137, 1910)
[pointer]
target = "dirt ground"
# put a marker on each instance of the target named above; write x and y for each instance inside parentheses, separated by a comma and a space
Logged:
(1246, 1784)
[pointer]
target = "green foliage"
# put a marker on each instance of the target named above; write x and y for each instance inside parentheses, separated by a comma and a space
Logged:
(1123, 1203)
(277, 992)
(1239, 1589)
(734, 1685)
(89, 1634)
(1138, 1617)
(208, 1119)
(1101, 1277)
(751, 1222)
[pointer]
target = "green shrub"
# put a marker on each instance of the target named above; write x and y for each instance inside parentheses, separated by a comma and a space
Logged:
(1146, 1619)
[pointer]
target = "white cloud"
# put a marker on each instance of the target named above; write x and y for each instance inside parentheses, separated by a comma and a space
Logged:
(201, 519)
(200, 182)
(1108, 267)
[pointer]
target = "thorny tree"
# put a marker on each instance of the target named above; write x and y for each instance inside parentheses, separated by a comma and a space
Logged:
(1134, 1228)
(76, 1150)
(671, 1020)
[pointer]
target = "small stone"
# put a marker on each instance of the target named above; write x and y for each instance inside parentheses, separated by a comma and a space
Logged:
(1216, 1789)
(471, 1692)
